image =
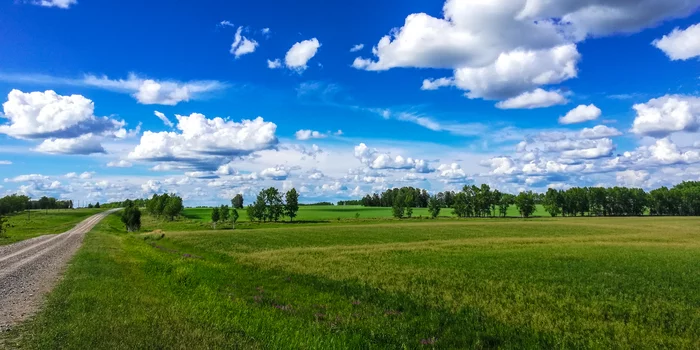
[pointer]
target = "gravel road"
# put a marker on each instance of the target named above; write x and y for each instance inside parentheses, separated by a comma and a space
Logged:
(30, 268)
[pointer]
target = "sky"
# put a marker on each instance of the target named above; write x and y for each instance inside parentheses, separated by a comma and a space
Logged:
(103, 101)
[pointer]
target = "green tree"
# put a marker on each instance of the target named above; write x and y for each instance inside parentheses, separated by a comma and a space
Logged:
(551, 202)
(224, 213)
(173, 207)
(131, 218)
(291, 206)
(234, 217)
(409, 202)
(434, 206)
(3, 226)
(215, 216)
(460, 206)
(237, 201)
(398, 208)
(525, 201)
(274, 208)
(97, 205)
(506, 201)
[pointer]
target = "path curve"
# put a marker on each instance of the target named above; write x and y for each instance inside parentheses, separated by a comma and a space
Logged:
(30, 268)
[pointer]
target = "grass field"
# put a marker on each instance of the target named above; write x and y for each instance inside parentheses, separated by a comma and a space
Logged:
(501, 283)
(331, 212)
(40, 222)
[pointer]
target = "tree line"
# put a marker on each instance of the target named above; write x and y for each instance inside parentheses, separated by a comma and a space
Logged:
(165, 206)
(269, 205)
(16, 203)
(682, 199)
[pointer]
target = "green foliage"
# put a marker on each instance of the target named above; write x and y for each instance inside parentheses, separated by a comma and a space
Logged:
(525, 201)
(167, 206)
(434, 207)
(131, 218)
(237, 201)
(215, 216)
(3, 227)
(398, 208)
(234, 216)
(291, 206)
(224, 213)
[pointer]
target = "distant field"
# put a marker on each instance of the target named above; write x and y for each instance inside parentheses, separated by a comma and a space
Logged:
(499, 283)
(315, 213)
(40, 222)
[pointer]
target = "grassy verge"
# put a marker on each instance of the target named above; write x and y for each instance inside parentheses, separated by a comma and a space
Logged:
(575, 283)
(40, 222)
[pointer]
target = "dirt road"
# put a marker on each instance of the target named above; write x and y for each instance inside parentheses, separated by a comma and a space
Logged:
(29, 269)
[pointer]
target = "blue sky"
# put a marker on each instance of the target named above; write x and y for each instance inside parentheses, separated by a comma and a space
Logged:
(517, 94)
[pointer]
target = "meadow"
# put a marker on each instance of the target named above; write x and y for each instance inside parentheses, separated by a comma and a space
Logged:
(447, 283)
(27, 225)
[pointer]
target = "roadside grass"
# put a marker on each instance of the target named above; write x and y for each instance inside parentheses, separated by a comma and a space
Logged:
(555, 283)
(41, 222)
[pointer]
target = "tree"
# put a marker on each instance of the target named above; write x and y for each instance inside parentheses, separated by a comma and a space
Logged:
(237, 201)
(292, 204)
(131, 218)
(507, 200)
(408, 203)
(97, 205)
(274, 207)
(234, 217)
(460, 206)
(173, 207)
(215, 216)
(525, 201)
(551, 202)
(224, 213)
(434, 207)
(397, 208)
(90, 206)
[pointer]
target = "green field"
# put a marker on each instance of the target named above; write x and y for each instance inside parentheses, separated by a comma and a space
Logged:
(40, 222)
(497, 283)
(332, 212)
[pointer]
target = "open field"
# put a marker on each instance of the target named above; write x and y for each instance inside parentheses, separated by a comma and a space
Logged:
(502, 283)
(331, 212)
(41, 222)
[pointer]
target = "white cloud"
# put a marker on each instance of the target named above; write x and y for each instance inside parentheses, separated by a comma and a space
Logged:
(204, 142)
(265, 31)
(534, 99)
(40, 115)
(86, 175)
(226, 24)
(590, 149)
(599, 131)
(164, 119)
(501, 165)
(502, 48)
(681, 44)
(28, 177)
(278, 173)
(662, 116)
(151, 186)
(149, 91)
(62, 4)
(452, 173)
(581, 114)
(242, 45)
(632, 178)
(299, 55)
(357, 47)
(119, 164)
(5, 162)
(377, 160)
(665, 151)
(434, 84)
(274, 64)
(84, 145)
(303, 135)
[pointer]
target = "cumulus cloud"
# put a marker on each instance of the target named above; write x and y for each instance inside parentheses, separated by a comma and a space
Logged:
(226, 24)
(599, 131)
(62, 4)
(151, 186)
(378, 160)
(303, 135)
(149, 91)
(27, 178)
(632, 178)
(5, 162)
(41, 115)
(278, 173)
(119, 164)
(502, 48)
(164, 119)
(357, 47)
(452, 173)
(534, 99)
(659, 117)
(680, 44)
(434, 84)
(242, 45)
(274, 64)
(581, 114)
(83, 145)
(205, 143)
(299, 55)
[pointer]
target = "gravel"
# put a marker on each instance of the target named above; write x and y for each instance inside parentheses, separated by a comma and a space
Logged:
(29, 269)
